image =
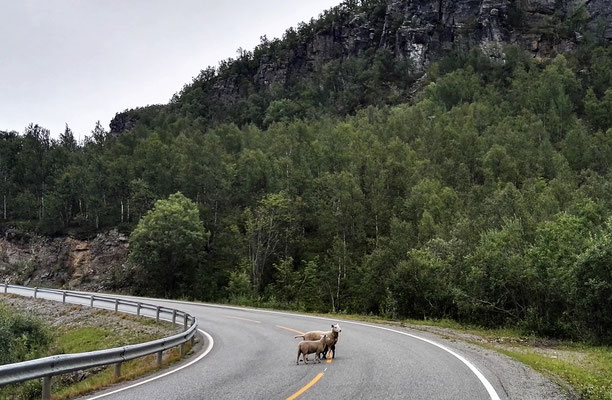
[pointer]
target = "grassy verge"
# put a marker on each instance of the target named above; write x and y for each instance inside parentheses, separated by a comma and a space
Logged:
(587, 369)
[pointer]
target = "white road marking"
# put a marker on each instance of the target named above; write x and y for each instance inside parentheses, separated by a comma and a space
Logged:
(211, 343)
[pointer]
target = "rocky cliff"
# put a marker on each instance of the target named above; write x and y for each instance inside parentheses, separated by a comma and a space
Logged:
(417, 30)
(60, 262)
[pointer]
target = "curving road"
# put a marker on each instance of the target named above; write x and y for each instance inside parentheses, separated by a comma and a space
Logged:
(252, 356)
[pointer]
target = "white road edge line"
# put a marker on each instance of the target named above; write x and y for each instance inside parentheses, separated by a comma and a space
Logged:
(211, 343)
(488, 386)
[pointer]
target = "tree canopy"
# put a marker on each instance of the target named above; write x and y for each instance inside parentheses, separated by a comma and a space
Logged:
(167, 246)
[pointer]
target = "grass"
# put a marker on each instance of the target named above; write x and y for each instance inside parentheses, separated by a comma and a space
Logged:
(129, 370)
(587, 369)
(88, 339)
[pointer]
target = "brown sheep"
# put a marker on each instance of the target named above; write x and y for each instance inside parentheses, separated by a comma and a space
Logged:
(316, 335)
(306, 347)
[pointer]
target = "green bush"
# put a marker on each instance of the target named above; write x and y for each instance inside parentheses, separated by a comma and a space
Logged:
(22, 337)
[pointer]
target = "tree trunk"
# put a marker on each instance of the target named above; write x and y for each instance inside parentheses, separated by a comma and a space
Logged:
(121, 211)
(5, 207)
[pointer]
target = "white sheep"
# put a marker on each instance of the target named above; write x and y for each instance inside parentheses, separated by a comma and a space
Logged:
(316, 335)
(306, 347)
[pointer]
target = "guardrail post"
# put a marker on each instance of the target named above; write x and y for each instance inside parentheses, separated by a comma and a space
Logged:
(118, 370)
(64, 297)
(46, 388)
(185, 322)
(193, 340)
(183, 350)
(116, 305)
(138, 309)
(160, 355)
(157, 314)
(92, 300)
(173, 317)
(35, 291)
(5, 287)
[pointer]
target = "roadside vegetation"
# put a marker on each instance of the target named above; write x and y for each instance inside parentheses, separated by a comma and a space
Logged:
(36, 328)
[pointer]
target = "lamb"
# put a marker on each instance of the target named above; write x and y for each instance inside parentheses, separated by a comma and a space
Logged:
(316, 335)
(306, 347)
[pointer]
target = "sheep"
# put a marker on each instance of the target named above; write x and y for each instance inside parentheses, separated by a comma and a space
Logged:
(306, 347)
(316, 335)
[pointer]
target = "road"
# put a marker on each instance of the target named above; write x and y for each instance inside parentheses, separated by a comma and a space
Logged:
(254, 357)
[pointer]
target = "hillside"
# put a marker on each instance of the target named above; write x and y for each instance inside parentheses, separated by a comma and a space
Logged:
(343, 169)
(370, 52)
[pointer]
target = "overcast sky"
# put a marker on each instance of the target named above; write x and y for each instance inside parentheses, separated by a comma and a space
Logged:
(79, 61)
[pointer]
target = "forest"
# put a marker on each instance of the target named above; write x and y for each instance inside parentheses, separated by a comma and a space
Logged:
(485, 198)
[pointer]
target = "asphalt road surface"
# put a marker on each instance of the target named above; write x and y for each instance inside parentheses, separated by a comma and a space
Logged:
(253, 356)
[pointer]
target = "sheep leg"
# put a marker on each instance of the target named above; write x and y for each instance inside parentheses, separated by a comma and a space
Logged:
(333, 349)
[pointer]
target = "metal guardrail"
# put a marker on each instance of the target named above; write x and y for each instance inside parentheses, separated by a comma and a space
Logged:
(48, 367)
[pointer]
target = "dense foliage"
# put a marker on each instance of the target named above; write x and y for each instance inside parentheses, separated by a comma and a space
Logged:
(167, 247)
(488, 199)
(21, 337)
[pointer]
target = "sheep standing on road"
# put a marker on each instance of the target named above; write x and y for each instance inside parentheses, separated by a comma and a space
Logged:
(316, 335)
(306, 347)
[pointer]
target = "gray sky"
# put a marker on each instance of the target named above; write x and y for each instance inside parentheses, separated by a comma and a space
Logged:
(76, 62)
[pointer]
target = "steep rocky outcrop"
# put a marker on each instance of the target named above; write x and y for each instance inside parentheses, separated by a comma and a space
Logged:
(417, 30)
(422, 30)
(60, 262)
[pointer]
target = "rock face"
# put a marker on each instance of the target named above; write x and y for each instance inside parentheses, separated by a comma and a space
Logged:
(418, 30)
(421, 30)
(60, 262)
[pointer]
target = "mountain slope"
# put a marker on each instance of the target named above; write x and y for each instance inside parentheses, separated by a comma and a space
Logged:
(371, 52)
